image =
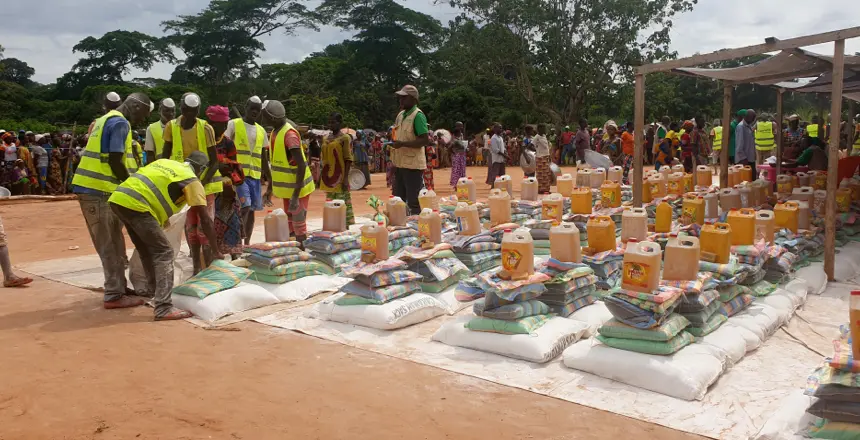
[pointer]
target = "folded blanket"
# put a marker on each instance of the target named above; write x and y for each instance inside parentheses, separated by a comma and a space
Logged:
(362, 268)
(664, 332)
(662, 294)
(506, 288)
(380, 294)
(633, 315)
(273, 262)
(638, 299)
(468, 290)
(522, 326)
(704, 281)
(649, 347)
(275, 252)
(293, 268)
(339, 259)
(512, 311)
(328, 247)
(268, 246)
(439, 286)
(573, 285)
(485, 266)
(382, 279)
(401, 233)
(700, 318)
(737, 304)
(713, 323)
(478, 257)
(568, 309)
(442, 250)
(692, 303)
(438, 269)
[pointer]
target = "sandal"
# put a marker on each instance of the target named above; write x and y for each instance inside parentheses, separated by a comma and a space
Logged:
(123, 303)
(17, 282)
(174, 314)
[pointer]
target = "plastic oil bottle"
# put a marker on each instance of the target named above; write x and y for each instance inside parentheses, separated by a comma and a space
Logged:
(334, 216)
(682, 258)
(597, 177)
(610, 194)
(854, 319)
(583, 177)
(784, 185)
(803, 179)
(730, 199)
(564, 184)
(396, 208)
(704, 176)
(765, 225)
(552, 208)
(715, 242)
(564, 243)
(676, 184)
(500, 206)
(634, 224)
(468, 220)
(427, 199)
(687, 182)
(712, 205)
(641, 266)
(843, 199)
(746, 174)
(678, 168)
(615, 173)
(517, 255)
(693, 209)
(666, 170)
(504, 182)
(745, 192)
(430, 226)
(374, 242)
(659, 186)
(663, 220)
(529, 189)
(804, 194)
(742, 222)
(733, 176)
(804, 214)
(466, 190)
(277, 226)
(580, 200)
(646, 191)
(820, 181)
(819, 202)
(786, 215)
(601, 234)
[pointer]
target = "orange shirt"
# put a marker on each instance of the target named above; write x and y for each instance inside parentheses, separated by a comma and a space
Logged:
(627, 143)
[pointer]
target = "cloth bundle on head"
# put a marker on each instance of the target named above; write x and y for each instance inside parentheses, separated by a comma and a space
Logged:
(218, 113)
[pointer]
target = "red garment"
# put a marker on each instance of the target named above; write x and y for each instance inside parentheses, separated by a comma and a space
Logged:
(686, 146)
(567, 138)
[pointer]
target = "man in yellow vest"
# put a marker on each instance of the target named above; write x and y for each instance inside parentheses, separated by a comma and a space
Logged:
(765, 138)
(408, 150)
(102, 168)
(145, 202)
(812, 129)
(253, 154)
(154, 144)
(183, 136)
(291, 175)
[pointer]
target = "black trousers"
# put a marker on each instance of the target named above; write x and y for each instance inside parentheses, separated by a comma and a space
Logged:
(407, 184)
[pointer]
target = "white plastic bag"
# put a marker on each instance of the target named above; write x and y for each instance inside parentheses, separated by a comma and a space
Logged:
(816, 279)
(594, 316)
(685, 374)
(175, 231)
(227, 302)
(790, 421)
(399, 313)
(303, 288)
(544, 345)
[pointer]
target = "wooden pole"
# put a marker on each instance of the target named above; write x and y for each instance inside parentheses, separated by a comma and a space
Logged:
(779, 119)
(833, 159)
(727, 121)
(638, 138)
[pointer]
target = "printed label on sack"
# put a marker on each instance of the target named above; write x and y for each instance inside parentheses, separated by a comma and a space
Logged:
(608, 197)
(511, 259)
(368, 243)
(636, 274)
(462, 193)
(424, 229)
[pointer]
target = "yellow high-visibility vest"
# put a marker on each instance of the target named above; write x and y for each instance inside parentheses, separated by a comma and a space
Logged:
(146, 190)
(718, 138)
(764, 140)
(284, 182)
(94, 171)
(251, 159)
(812, 130)
(178, 155)
(157, 132)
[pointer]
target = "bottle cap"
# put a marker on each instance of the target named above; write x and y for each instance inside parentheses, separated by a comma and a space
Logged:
(855, 292)
(435, 210)
(632, 240)
(380, 223)
(508, 230)
(328, 200)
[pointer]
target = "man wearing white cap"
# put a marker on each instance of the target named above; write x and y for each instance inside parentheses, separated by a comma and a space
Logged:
(112, 101)
(250, 139)
(154, 143)
(412, 135)
(185, 135)
(102, 169)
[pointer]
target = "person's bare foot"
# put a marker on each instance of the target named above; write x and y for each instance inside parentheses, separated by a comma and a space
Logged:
(174, 314)
(123, 303)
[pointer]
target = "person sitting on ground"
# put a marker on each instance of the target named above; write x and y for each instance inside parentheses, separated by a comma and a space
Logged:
(814, 155)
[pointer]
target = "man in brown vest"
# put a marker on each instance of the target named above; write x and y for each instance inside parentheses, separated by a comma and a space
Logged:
(412, 134)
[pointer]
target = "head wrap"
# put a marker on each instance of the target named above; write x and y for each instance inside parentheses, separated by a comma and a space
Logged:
(742, 112)
(218, 113)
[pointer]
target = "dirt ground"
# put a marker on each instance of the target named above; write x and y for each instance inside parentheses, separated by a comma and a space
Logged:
(72, 370)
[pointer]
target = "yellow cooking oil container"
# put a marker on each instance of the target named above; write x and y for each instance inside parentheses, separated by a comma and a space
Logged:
(820, 181)
(646, 191)
(580, 200)
(676, 183)
(843, 199)
(715, 242)
(658, 186)
(610, 194)
(641, 266)
(693, 209)
(784, 185)
(746, 174)
(564, 184)
(688, 182)
(552, 208)
(765, 225)
(663, 221)
(601, 234)
(787, 215)
(742, 222)
(682, 258)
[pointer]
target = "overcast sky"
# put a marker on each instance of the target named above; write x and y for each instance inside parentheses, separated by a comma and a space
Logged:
(712, 25)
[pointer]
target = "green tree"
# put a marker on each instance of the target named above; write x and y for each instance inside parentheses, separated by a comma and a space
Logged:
(109, 57)
(461, 104)
(306, 109)
(16, 71)
(221, 42)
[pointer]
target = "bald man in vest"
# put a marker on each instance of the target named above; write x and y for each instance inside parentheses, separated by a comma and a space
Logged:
(412, 134)
(154, 143)
(253, 154)
(101, 170)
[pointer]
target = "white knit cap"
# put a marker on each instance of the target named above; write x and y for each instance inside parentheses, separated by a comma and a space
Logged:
(113, 97)
(192, 100)
(255, 99)
(168, 102)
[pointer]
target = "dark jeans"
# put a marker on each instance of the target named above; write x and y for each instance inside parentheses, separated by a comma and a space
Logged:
(106, 232)
(156, 254)
(407, 184)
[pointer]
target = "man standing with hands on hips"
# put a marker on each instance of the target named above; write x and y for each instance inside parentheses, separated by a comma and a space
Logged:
(411, 132)
(291, 175)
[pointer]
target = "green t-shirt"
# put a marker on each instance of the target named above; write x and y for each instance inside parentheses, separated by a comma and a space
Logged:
(732, 127)
(420, 122)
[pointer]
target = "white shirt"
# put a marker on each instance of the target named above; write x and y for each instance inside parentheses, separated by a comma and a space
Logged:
(149, 143)
(541, 145)
(251, 129)
(497, 148)
(11, 153)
